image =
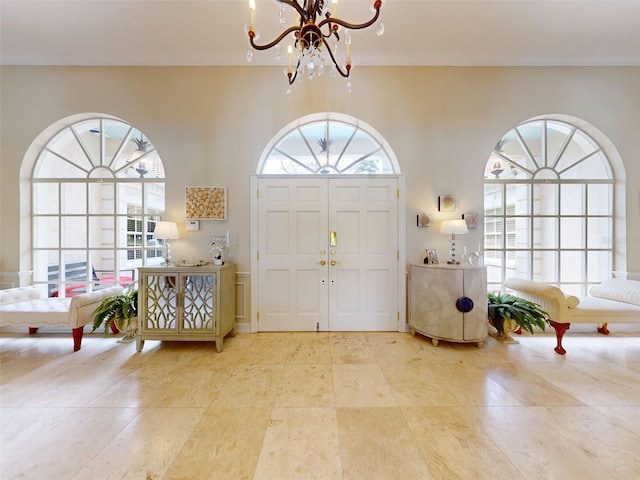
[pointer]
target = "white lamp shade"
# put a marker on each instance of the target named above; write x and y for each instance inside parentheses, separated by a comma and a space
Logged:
(166, 230)
(453, 227)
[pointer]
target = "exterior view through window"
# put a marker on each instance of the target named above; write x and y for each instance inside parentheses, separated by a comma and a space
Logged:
(548, 207)
(97, 188)
(327, 146)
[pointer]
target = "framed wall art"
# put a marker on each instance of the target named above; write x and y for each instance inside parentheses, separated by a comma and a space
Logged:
(206, 203)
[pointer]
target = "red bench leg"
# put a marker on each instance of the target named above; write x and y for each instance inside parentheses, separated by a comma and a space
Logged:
(77, 338)
(33, 330)
(560, 329)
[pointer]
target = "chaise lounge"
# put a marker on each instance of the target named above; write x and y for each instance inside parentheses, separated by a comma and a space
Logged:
(29, 307)
(616, 300)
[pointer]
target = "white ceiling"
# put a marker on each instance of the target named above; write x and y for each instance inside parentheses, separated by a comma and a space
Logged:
(418, 32)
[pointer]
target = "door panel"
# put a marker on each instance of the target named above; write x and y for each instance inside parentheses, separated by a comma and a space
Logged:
(364, 280)
(357, 287)
(292, 226)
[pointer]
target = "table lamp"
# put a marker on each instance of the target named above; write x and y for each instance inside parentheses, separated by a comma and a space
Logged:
(453, 228)
(166, 231)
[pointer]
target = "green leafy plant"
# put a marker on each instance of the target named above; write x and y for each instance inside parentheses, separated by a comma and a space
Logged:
(119, 309)
(506, 309)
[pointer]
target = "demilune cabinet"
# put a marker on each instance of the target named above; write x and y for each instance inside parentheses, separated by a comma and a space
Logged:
(448, 302)
(186, 303)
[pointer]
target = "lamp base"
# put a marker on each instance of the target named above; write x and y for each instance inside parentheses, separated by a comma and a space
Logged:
(166, 252)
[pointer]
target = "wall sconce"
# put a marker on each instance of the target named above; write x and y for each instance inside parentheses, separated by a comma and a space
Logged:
(166, 231)
(453, 228)
(423, 220)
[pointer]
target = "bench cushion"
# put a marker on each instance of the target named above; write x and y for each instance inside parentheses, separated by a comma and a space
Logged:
(599, 310)
(618, 289)
(38, 312)
(28, 309)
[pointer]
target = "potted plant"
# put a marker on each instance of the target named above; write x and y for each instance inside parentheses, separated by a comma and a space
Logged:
(507, 313)
(118, 312)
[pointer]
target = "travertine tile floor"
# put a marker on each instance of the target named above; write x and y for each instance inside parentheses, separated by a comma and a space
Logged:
(320, 406)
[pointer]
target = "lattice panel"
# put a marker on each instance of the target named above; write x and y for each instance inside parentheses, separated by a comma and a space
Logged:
(199, 303)
(161, 303)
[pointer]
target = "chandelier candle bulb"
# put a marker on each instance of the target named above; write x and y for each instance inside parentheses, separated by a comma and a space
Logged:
(252, 13)
(334, 5)
(290, 56)
(347, 44)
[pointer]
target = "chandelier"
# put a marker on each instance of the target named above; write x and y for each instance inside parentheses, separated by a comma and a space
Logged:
(315, 28)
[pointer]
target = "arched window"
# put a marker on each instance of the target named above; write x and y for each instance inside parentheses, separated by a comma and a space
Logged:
(549, 207)
(328, 143)
(97, 190)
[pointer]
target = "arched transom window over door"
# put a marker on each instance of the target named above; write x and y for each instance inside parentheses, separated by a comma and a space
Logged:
(98, 188)
(549, 194)
(328, 144)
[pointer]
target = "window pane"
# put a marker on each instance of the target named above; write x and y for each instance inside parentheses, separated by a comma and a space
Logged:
(545, 232)
(545, 266)
(74, 198)
(519, 264)
(519, 199)
(101, 232)
(493, 199)
(545, 199)
(102, 198)
(572, 233)
(521, 233)
(573, 199)
(599, 233)
(572, 267)
(50, 165)
(154, 197)
(74, 232)
(45, 198)
(45, 232)
(599, 266)
(494, 272)
(600, 199)
(531, 133)
(557, 136)
(596, 167)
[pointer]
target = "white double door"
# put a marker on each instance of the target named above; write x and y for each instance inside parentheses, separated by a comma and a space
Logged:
(328, 254)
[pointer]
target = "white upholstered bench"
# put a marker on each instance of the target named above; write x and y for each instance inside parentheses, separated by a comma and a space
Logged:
(27, 306)
(616, 300)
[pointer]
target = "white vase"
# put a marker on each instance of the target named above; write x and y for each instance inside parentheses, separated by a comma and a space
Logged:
(217, 261)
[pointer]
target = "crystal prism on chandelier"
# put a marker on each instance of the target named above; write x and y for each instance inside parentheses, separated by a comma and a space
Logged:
(313, 36)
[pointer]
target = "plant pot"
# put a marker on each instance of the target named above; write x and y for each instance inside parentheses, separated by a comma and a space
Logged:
(218, 261)
(130, 332)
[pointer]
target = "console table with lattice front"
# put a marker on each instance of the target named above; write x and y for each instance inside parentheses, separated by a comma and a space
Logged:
(186, 303)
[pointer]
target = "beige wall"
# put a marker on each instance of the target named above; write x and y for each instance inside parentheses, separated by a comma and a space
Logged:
(210, 126)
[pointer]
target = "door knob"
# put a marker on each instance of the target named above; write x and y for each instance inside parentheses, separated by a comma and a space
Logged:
(333, 262)
(322, 262)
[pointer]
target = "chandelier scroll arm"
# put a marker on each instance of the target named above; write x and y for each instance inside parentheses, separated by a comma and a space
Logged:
(353, 26)
(335, 63)
(280, 37)
(291, 77)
